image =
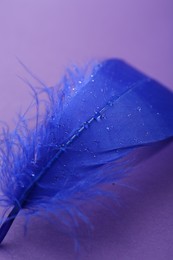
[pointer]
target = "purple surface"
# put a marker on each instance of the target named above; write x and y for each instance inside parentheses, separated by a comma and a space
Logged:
(49, 35)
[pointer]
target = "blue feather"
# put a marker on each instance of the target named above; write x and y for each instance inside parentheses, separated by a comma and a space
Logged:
(89, 127)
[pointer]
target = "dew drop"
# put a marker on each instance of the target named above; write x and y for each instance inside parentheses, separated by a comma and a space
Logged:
(139, 109)
(99, 118)
(32, 162)
(21, 184)
(85, 125)
(110, 103)
(97, 114)
(62, 148)
(77, 133)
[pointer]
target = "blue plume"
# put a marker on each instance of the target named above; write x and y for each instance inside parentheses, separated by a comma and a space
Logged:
(82, 139)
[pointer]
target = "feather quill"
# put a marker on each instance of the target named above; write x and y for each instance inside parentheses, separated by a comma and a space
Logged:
(89, 127)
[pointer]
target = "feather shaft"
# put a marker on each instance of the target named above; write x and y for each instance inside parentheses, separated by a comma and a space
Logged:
(8, 222)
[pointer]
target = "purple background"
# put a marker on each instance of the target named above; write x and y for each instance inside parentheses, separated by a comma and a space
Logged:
(49, 35)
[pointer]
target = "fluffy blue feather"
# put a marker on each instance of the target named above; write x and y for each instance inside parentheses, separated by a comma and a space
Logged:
(89, 126)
